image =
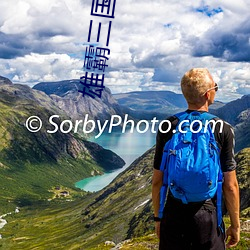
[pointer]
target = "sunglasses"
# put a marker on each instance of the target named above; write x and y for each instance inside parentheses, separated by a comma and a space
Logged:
(216, 87)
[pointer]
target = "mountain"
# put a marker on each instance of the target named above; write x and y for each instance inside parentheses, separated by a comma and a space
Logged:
(4, 80)
(106, 215)
(138, 105)
(65, 94)
(151, 100)
(124, 208)
(232, 110)
(216, 105)
(32, 163)
(162, 102)
(38, 166)
(237, 114)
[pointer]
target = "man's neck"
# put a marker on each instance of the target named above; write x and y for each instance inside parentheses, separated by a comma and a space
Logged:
(198, 107)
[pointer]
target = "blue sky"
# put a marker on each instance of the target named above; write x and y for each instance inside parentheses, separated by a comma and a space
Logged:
(152, 43)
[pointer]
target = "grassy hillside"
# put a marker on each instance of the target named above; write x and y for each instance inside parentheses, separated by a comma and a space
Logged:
(86, 222)
(54, 225)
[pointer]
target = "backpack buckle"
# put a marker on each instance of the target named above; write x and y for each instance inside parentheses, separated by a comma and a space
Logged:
(172, 152)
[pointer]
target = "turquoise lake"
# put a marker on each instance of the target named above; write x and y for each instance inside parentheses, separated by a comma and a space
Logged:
(129, 146)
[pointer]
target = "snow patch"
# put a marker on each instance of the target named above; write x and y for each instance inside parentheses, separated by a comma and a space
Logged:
(142, 204)
(143, 186)
(2, 223)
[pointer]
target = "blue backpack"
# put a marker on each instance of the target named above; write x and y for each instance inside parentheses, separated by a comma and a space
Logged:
(191, 162)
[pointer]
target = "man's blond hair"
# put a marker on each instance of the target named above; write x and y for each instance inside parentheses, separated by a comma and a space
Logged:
(195, 83)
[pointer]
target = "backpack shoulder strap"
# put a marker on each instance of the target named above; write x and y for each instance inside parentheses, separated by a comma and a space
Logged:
(182, 115)
(208, 116)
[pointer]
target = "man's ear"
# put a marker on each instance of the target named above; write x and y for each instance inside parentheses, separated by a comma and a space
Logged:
(207, 95)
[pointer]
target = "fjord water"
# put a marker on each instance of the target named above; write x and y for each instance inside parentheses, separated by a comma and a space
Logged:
(128, 146)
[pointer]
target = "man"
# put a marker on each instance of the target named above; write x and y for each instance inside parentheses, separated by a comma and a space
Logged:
(194, 225)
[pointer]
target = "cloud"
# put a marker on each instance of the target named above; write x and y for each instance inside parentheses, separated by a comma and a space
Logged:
(34, 68)
(131, 81)
(167, 74)
(230, 45)
(12, 46)
(41, 27)
(152, 43)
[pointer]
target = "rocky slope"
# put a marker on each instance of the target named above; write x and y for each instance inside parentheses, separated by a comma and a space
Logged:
(4, 80)
(232, 110)
(65, 94)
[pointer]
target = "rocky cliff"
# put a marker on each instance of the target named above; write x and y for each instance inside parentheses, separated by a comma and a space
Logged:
(65, 94)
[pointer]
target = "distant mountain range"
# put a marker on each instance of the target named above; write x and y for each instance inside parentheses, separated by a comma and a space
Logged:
(142, 105)
(138, 105)
(149, 104)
